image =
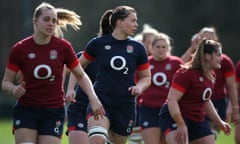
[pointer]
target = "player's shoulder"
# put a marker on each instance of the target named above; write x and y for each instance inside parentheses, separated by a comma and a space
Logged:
(136, 42)
(176, 59)
(23, 44)
(186, 71)
(98, 40)
(79, 53)
(24, 41)
(60, 41)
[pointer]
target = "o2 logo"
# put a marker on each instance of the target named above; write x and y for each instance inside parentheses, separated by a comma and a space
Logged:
(207, 93)
(163, 77)
(47, 74)
(119, 63)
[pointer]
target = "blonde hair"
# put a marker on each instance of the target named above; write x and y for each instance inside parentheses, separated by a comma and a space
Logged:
(67, 17)
(212, 30)
(64, 17)
(147, 29)
(162, 36)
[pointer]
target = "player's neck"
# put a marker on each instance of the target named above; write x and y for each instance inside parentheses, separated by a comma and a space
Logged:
(41, 40)
(118, 35)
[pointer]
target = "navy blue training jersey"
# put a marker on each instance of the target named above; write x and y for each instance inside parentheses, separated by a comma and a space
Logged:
(117, 61)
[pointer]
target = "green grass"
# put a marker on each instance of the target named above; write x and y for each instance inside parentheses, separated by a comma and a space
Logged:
(6, 136)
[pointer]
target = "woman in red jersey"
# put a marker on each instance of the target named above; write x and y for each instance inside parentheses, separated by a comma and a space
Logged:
(224, 95)
(237, 129)
(145, 37)
(163, 66)
(183, 118)
(39, 111)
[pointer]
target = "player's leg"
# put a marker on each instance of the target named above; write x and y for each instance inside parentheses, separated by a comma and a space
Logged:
(25, 136)
(116, 138)
(151, 135)
(51, 126)
(78, 137)
(24, 125)
(237, 134)
(98, 130)
(47, 139)
(77, 124)
(149, 122)
(122, 123)
(136, 135)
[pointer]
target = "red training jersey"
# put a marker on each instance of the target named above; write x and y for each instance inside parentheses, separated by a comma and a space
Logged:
(227, 70)
(42, 70)
(238, 72)
(196, 89)
(162, 72)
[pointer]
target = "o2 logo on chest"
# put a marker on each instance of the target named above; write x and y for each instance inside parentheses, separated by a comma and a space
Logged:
(207, 93)
(160, 79)
(119, 63)
(42, 72)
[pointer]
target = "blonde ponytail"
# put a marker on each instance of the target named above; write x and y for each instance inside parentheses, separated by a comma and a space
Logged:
(66, 17)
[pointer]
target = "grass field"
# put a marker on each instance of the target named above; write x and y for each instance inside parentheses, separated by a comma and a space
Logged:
(6, 136)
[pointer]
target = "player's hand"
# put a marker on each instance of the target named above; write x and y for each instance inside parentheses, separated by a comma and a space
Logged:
(135, 90)
(19, 90)
(70, 96)
(182, 135)
(97, 109)
(225, 127)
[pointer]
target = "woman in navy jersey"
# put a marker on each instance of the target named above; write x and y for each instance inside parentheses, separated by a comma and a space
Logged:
(76, 113)
(118, 56)
(163, 66)
(40, 58)
(183, 118)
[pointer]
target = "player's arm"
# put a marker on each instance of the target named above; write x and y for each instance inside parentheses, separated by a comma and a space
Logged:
(71, 94)
(86, 85)
(143, 83)
(213, 115)
(174, 96)
(189, 52)
(83, 61)
(233, 97)
(8, 84)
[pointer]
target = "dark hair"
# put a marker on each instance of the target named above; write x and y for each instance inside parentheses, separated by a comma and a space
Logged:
(109, 18)
(104, 24)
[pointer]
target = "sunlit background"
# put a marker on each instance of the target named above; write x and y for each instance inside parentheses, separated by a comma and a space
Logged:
(179, 19)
